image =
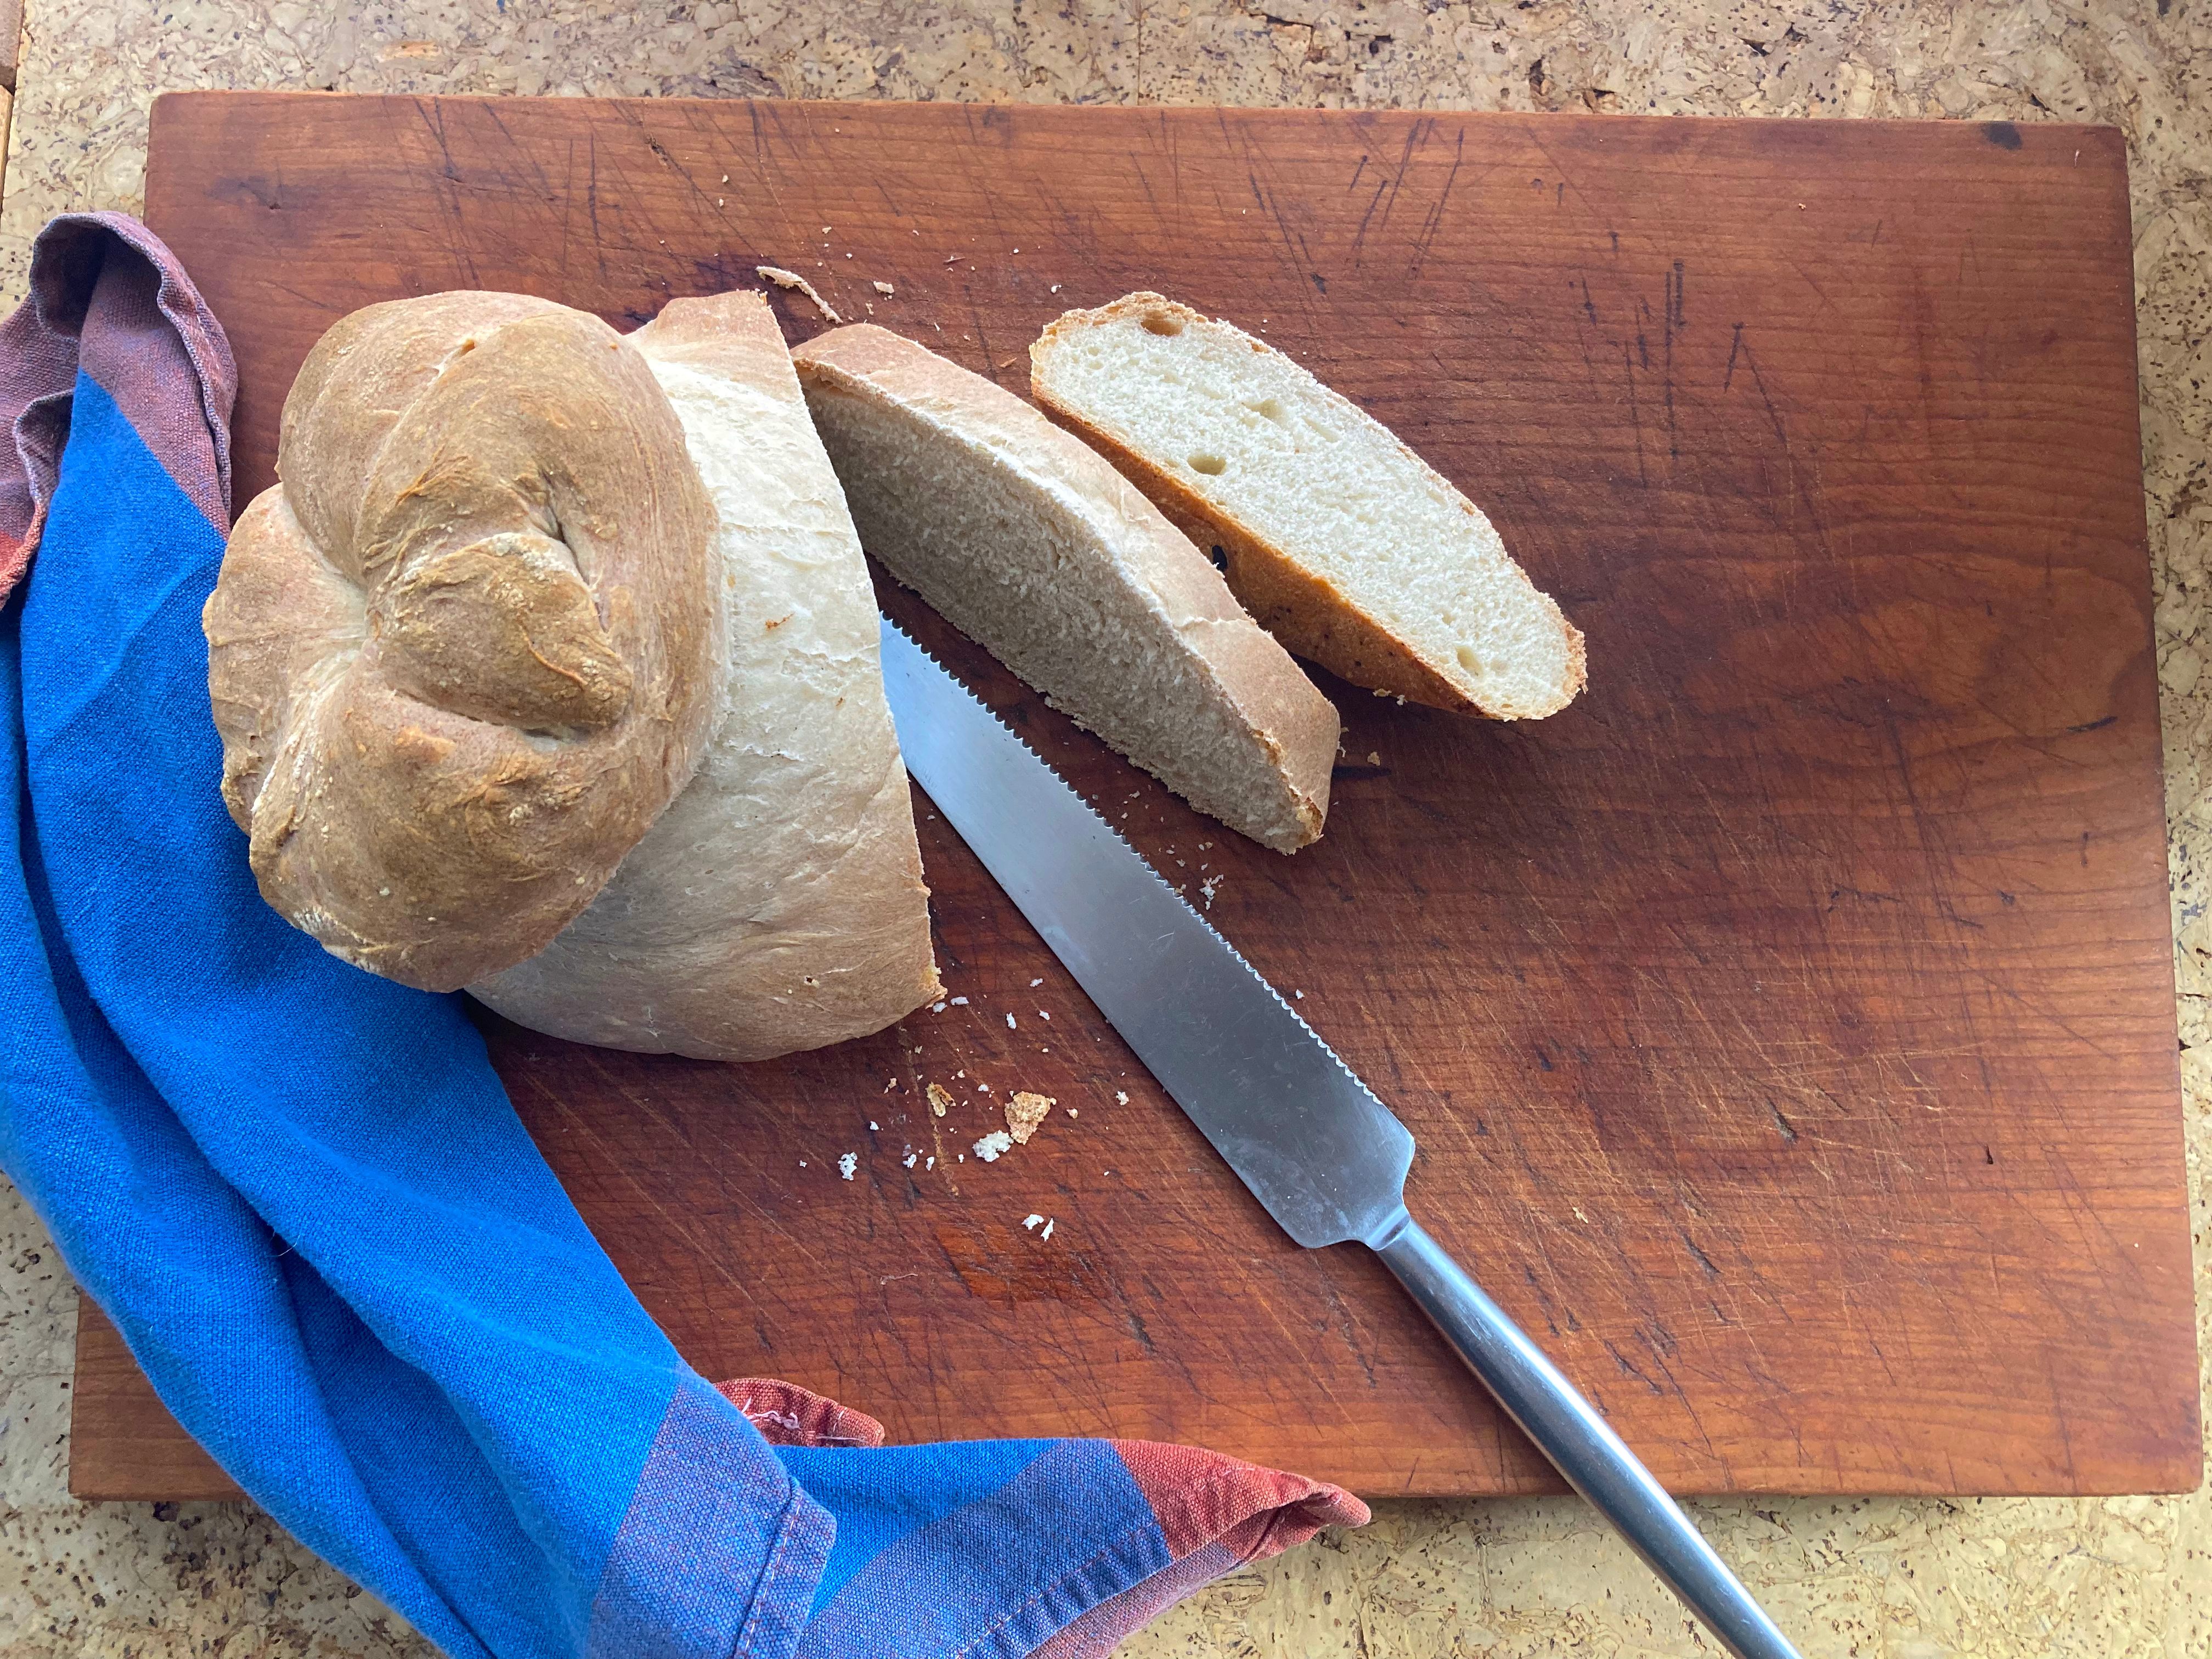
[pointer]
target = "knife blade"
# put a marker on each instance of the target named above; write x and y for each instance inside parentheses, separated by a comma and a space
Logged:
(1323, 1155)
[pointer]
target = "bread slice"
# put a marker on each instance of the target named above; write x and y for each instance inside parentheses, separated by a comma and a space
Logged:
(1030, 544)
(778, 904)
(1346, 544)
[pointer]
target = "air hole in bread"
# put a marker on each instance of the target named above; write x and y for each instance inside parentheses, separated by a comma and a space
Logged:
(1270, 408)
(1158, 322)
(1212, 465)
(1472, 663)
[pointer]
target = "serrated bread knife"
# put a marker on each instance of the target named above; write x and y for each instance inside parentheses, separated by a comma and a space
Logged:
(1326, 1157)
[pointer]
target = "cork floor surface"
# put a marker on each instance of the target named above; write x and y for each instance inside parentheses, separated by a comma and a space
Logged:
(1897, 1578)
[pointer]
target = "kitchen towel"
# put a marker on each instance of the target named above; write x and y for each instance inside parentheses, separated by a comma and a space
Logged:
(301, 1194)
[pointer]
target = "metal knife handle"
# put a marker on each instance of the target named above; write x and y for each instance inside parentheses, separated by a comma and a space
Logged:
(1568, 1429)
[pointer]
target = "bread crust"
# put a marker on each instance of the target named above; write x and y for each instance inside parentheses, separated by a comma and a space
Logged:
(457, 657)
(778, 904)
(1296, 726)
(1310, 615)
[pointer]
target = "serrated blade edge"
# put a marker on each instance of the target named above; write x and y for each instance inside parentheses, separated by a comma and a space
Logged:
(1320, 1152)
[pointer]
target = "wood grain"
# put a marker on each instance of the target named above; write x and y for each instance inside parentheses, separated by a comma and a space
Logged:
(1787, 1027)
(123, 1442)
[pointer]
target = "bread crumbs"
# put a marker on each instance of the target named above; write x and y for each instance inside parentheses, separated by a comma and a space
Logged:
(1121, 1097)
(992, 1144)
(940, 1098)
(1024, 1112)
(797, 284)
(849, 1163)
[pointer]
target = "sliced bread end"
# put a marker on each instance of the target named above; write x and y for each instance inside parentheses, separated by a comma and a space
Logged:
(1256, 404)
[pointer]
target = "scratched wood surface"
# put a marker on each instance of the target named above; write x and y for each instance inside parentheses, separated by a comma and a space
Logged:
(1787, 1027)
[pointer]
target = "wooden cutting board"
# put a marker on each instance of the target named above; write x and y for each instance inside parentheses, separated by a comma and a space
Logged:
(1787, 1027)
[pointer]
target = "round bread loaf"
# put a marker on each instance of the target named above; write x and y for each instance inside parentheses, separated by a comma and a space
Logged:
(470, 647)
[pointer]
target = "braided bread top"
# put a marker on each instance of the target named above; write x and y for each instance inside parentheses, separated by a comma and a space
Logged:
(466, 651)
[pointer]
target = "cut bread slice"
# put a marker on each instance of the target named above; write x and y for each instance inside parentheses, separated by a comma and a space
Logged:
(1346, 544)
(778, 904)
(1033, 546)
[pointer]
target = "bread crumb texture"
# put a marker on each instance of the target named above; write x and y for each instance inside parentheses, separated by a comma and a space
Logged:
(1025, 1112)
(1034, 546)
(1338, 539)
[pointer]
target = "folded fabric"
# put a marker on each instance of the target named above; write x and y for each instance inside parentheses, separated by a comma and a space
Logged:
(301, 1194)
